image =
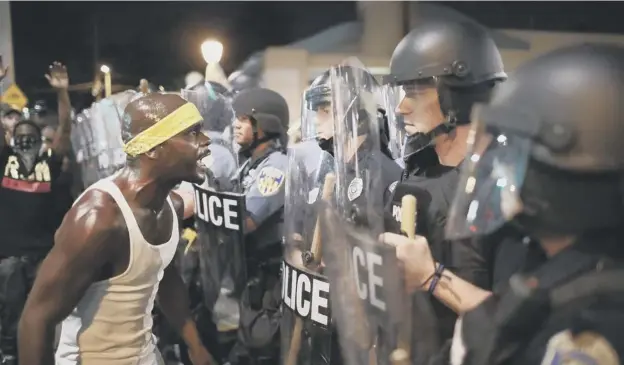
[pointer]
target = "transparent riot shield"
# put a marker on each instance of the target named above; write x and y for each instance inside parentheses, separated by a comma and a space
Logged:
(392, 97)
(96, 140)
(369, 304)
(378, 321)
(357, 150)
(306, 318)
(219, 220)
(218, 116)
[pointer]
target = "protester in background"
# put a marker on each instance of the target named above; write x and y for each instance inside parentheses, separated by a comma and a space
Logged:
(10, 116)
(28, 214)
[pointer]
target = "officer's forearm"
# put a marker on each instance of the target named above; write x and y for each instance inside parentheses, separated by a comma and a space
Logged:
(457, 293)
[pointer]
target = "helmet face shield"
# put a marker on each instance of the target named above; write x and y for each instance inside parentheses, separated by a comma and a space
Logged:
(316, 114)
(413, 109)
(488, 193)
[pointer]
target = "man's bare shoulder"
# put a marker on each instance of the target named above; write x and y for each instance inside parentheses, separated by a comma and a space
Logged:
(94, 216)
(178, 204)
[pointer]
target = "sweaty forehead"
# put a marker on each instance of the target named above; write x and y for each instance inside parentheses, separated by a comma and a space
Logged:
(145, 111)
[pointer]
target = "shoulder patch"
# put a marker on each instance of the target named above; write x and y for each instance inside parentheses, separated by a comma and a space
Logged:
(269, 181)
(393, 186)
(585, 348)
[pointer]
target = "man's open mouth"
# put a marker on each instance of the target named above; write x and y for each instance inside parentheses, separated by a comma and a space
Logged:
(202, 155)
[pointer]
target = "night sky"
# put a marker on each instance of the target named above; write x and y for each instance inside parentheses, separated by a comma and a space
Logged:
(160, 40)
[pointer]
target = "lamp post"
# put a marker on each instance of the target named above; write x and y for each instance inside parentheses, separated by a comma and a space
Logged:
(107, 80)
(212, 51)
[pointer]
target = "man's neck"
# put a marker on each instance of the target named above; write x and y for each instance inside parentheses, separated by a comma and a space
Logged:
(145, 189)
(453, 147)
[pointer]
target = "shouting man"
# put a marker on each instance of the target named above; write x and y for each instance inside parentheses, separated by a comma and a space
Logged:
(112, 252)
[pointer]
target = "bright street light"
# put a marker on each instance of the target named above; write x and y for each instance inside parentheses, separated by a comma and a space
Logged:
(212, 50)
(105, 69)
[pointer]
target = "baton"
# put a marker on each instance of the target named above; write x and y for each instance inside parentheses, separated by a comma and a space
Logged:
(401, 355)
(317, 253)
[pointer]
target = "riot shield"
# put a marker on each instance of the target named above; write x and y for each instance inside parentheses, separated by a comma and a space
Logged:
(357, 149)
(219, 219)
(396, 127)
(306, 319)
(369, 303)
(218, 116)
(96, 140)
(378, 321)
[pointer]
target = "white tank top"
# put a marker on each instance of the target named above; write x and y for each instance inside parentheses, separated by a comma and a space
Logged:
(112, 323)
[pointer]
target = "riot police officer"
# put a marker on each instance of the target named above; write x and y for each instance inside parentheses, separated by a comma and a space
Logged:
(344, 137)
(319, 108)
(547, 156)
(437, 72)
(260, 129)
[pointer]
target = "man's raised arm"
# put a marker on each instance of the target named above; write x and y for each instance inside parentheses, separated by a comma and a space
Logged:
(85, 242)
(59, 80)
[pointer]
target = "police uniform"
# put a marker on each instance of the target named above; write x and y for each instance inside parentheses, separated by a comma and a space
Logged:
(564, 165)
(462, 64)
(261, 178)
(262, 182)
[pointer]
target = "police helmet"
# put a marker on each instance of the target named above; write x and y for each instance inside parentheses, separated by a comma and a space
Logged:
(550, 139)
(461, 53)
(459, 57)
(266, 109)
(320, 92)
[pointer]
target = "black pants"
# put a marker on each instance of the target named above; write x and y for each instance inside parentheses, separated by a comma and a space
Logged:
(17, 274)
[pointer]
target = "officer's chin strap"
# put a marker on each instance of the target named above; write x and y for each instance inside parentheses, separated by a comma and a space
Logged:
(419, 141)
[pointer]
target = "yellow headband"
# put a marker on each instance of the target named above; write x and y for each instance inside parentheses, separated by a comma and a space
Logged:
(177, 121)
